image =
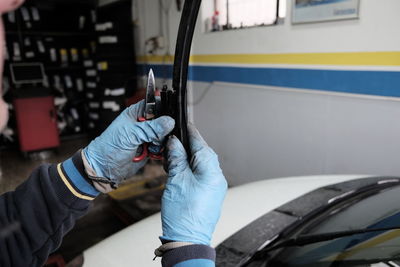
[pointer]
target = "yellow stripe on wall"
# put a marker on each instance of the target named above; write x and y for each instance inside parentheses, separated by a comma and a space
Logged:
(156, 59)
(348, 58)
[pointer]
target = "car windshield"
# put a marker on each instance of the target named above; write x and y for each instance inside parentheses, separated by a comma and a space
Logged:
(381, 248)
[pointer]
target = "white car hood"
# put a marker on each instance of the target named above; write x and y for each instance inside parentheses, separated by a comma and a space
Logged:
(243, 204)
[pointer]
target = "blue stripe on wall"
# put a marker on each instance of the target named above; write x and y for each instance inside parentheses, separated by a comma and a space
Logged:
(380, 83)
(318, 3)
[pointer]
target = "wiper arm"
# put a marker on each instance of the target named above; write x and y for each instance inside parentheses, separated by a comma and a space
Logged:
(311, 239)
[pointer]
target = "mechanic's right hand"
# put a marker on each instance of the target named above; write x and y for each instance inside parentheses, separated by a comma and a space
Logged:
(192, 200)
(110, 155)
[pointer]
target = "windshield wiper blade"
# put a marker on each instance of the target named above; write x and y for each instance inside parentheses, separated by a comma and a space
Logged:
(303, 240)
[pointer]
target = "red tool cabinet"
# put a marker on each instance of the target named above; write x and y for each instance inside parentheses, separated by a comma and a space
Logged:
(37, 123)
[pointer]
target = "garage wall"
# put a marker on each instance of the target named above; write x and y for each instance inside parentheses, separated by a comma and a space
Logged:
(289, 99)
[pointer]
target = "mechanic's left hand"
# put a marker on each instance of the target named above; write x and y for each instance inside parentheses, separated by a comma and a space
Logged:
(110, 155)
(194, 193)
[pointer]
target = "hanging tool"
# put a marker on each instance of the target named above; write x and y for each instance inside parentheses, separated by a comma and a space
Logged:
(178, 5)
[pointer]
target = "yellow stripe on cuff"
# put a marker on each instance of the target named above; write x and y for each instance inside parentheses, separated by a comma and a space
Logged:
(70, 187)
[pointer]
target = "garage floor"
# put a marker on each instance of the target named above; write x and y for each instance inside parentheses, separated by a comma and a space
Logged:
(136, 199)
(15, 168)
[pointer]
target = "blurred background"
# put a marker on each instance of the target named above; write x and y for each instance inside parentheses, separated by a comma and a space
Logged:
(277, 87)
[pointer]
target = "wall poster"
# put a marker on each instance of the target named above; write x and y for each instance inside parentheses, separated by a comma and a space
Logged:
(304, 11)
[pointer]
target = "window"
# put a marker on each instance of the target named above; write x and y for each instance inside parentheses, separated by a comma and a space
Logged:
(236, 14)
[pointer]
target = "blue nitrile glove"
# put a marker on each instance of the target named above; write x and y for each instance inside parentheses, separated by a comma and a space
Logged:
(193, 196)
(110, 155)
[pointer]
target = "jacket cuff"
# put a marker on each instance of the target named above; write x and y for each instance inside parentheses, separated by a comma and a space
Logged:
(102, 185)
(187, 253)
(72, 173)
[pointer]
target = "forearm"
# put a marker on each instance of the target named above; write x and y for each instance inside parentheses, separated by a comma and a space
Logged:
(35, 217)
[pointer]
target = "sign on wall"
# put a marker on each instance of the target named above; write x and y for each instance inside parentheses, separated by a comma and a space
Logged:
(304, 11)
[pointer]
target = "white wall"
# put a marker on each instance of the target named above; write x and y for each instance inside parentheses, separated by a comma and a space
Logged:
(374, 31)
(262, 132)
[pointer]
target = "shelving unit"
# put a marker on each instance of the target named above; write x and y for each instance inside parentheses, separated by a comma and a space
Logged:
(116, 61)
(61, 37)
(88, 57)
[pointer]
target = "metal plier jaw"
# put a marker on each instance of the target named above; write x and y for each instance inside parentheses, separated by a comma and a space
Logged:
(150, 105)
(150, 112)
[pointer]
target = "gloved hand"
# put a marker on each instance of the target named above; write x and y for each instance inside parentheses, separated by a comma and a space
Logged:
(193, 196)
(110, 155)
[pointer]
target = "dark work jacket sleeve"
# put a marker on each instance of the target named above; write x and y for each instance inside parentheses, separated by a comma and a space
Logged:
(190, 256)
(35, 217)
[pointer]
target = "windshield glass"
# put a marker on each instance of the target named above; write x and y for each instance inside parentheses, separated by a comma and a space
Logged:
(381, 210)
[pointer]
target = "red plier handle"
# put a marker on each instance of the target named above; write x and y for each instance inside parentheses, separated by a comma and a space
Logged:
(145, 150)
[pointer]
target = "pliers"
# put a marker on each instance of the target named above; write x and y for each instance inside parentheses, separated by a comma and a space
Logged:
(149, 113)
